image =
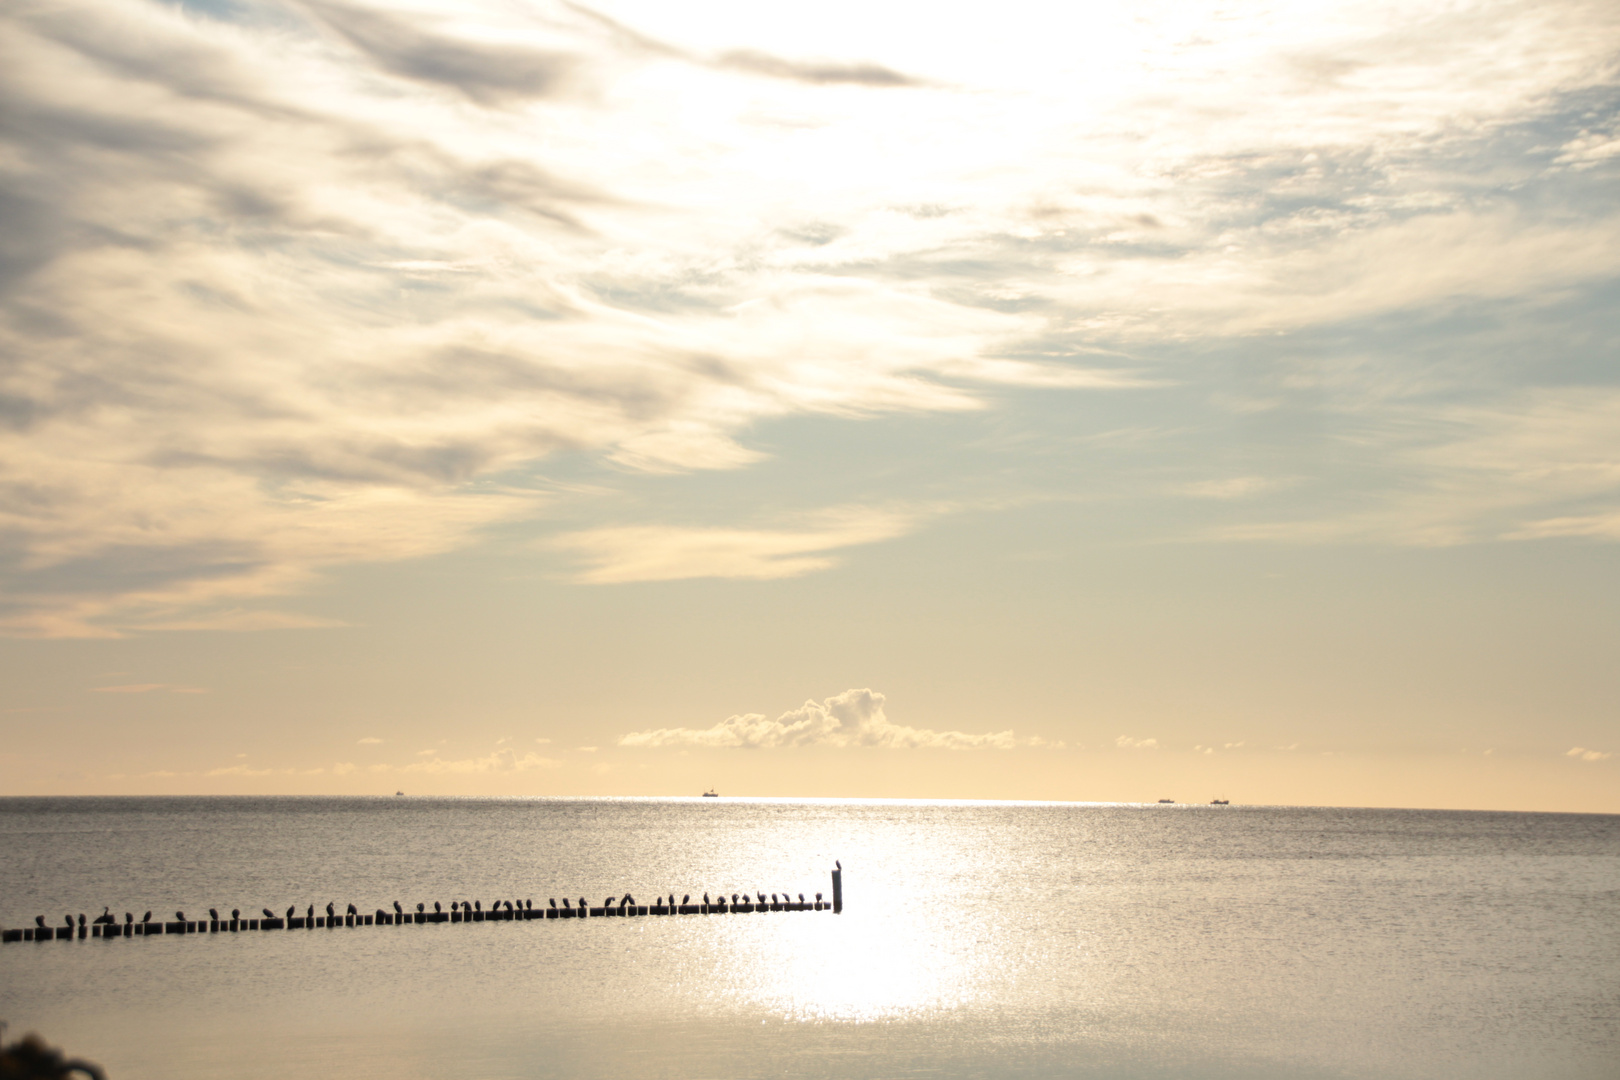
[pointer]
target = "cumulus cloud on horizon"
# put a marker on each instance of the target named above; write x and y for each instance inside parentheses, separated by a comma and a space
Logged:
(852, 719)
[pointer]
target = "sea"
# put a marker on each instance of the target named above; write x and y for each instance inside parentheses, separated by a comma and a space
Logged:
(977, 939)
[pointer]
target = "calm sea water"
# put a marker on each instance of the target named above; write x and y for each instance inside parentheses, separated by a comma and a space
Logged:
(978, 940)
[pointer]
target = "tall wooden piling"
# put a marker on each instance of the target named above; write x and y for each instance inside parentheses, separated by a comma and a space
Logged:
(838, 890)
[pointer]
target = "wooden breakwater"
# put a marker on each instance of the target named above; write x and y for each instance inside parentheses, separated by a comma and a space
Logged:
(108, 927)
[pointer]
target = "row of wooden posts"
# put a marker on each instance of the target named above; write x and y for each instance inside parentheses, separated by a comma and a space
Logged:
(623, 909)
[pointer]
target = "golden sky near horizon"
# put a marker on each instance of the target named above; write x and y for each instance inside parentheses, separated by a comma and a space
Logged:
(1042, 401)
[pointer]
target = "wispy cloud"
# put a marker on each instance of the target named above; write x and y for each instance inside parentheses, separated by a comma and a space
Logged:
(1581, 753)
(148, 688)
(292, 286)
(501, 761)
(1126, 742)
(618, 555)
(854, 718)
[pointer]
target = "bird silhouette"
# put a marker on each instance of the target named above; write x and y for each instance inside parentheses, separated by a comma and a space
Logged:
(309, 912)
(436, 906)
(39, 920)
(213, 914)
(236, 913)
(733, 898)
(838, 864)
(509, 905)
(397, 909)
(478, 905)
(268, 913)
(528, 905)
(81, 920)
(761, 897)
(818, 898)
(290, 909)
(105, 917)
(330, 909)
(801, 898)
(553, 901)
(147, 917)
(353, 910)
(705, 898)
(566, 904)
(687, 899)
(773, 898)
(69, 920)
(128, 918)
(179, 916)
(582, 902)
(421, 907)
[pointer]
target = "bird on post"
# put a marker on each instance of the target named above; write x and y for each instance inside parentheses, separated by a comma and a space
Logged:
(268, 913)
(761, 897)
(478, 905)
(687, 899)
(436, 907)
(566, 904)
(773, 898)
(331, 909)
(147, 917)
(309, 912)
(733, 898)
(179, 916)
(129, 918)
(81, 920)
(553, 901)
(509, 905)
(818, 898)
(236, 913)
(420, 908)
(582, 902)
(69, 920)
(528, 905)
(801, 898)
(105, 917)
(397, 909)
(290, 909)
(39, 921)
(213, 913)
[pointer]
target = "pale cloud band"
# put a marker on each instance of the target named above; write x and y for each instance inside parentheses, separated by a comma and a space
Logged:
(849, 720)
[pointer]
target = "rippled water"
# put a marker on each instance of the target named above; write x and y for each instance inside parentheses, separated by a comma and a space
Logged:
(978, 940)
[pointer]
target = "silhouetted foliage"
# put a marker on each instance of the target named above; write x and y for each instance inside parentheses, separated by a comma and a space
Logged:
(30, 1059)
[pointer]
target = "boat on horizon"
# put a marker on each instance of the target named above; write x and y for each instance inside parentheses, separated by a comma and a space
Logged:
(1220, 802)
(711, 794)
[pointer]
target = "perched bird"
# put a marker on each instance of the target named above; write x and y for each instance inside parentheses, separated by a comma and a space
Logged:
(773, 898)
(81, 920)
(39, 920)
(69, 920)
(421, 908)
(147, 917)
(478, 905)
(553, 902)
(687, 899)
(268, 913)
(129, 918)
(436, 906)
(236, 913)
(309, 912)
(330, 909)
(397, 909)
(213, 913)
(566, 904)
(582, 902)
(105, 917)
(509, 905)
(838, 864)
(801, 898)
(455, 905)
(761, 897)
(290, 909)
(528, 905)
(733, 898)
(818, 898)
(705, 898)
(353, 910)
(179, 916)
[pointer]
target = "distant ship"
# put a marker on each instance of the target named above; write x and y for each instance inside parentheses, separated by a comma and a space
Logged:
(399, 793)
(1220, 802)
(711, 794)
(1167, 800)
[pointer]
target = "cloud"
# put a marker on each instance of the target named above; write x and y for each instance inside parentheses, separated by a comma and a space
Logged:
(1125, 742)
(287, 289)
(1580, 753)
(617, 555)
(147, 688)
(369, 740)
(501, 761)
(854, 718)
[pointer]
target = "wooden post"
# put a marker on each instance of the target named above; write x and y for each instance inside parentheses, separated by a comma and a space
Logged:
(838, 890)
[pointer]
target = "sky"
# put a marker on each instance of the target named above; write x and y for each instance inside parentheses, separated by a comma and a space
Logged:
(1088, 402)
